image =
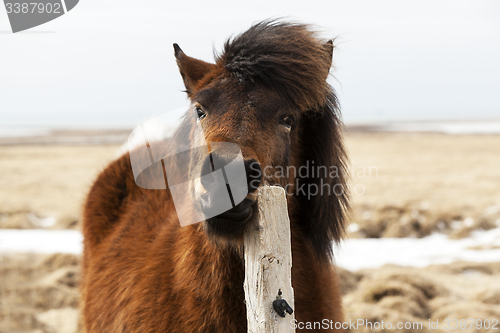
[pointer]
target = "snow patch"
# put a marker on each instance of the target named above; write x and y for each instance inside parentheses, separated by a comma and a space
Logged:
(352, 254)
(355, 254)
(40, 241)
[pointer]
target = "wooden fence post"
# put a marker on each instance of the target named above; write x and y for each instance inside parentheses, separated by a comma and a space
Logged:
(268, 264)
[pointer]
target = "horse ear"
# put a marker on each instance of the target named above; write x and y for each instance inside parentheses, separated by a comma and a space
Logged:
(323, 202)
(192, 70)
(329, 48)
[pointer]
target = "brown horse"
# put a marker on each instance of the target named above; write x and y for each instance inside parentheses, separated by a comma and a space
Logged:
(267, 92)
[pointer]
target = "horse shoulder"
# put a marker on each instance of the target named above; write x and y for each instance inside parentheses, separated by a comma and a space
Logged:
(106, 200)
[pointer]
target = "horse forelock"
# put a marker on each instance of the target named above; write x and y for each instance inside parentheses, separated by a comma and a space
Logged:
(288, 57)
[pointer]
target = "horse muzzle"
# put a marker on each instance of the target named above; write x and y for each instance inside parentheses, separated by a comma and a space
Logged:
(215, 188)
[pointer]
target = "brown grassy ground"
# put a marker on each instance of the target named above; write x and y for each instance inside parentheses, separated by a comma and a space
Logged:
(40, 294)
(417, 184)
(403, 184)
(420, 183)
(43, 181)
(416, 295)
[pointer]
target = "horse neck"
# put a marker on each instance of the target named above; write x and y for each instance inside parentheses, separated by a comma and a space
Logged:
(209, 265)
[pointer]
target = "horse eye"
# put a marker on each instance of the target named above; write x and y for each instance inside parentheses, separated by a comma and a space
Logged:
(288, 121)
(200, 113)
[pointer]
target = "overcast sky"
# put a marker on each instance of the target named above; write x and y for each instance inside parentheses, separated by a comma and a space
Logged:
(111, 64)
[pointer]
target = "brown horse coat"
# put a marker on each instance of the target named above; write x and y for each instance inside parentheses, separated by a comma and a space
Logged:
(143, 272)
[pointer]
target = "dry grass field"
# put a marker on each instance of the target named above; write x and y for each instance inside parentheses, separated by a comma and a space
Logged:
(39, 182)
(403, 185)
(415, 183)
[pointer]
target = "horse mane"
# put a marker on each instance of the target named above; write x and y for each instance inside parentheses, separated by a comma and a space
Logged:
(323, 218)
(286, 56)
(293, 60)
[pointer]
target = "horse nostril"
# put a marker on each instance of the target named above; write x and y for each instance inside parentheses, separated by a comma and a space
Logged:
(254, 175)
(208, 178)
